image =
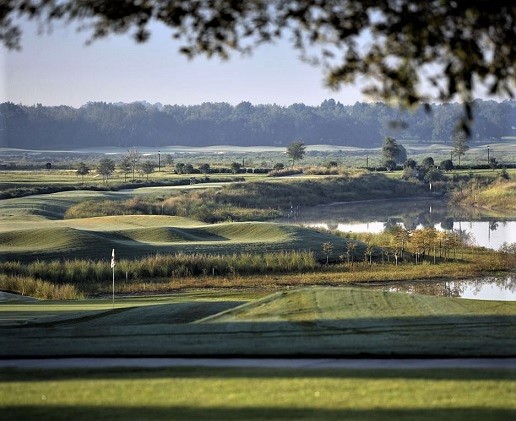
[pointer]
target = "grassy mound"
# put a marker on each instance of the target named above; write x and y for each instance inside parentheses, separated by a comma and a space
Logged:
(319, 304)
(137, 236)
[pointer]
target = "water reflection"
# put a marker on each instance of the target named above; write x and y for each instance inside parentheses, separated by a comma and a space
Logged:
(374, 216)
(487, 288)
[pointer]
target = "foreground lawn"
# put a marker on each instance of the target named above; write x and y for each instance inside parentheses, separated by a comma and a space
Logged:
(308, 322)
(244, 394)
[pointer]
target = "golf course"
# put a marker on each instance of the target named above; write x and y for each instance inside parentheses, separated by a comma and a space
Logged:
(186, 288)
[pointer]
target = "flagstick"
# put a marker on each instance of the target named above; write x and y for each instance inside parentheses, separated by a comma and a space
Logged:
(113, 287)
(113, 267)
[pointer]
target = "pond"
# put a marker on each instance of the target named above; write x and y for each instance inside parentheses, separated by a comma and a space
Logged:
(487, 288)
(373, 216)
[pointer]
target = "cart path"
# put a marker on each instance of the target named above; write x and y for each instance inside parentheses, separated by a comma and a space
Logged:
(294, 363)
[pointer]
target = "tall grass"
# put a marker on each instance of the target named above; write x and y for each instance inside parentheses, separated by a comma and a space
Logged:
(37, 288)
(84, 272)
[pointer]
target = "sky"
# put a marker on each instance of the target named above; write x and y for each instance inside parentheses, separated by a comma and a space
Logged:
(60, 69)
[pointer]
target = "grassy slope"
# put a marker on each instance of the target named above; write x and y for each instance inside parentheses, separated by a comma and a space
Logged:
(257, 394)
(134, 236)
(315, 321)
(498, 196)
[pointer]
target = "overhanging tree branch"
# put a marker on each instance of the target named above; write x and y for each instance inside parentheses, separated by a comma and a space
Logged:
(402, 47)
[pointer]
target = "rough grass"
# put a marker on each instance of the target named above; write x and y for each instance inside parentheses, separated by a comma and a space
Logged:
(257, 394)
(497, 196)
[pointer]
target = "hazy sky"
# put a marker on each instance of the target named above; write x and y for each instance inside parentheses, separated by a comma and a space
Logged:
(58, 68)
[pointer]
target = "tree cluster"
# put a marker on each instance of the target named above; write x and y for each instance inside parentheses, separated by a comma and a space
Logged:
(332, 123)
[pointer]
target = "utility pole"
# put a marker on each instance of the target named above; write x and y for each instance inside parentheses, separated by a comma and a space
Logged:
(488, 161)
(159, 161)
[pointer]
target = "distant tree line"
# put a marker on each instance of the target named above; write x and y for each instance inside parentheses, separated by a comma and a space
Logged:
(142, 124)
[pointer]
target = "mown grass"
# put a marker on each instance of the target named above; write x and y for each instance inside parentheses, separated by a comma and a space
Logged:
(319, 304)
(308, 322)
(134, 239)
(252, 394)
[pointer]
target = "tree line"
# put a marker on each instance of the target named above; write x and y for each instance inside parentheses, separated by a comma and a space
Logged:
(141, 124)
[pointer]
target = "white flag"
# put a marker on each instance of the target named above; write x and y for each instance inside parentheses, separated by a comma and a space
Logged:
(113, 259)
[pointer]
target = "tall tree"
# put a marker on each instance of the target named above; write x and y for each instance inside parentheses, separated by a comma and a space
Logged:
(460, 144)
(296, 151)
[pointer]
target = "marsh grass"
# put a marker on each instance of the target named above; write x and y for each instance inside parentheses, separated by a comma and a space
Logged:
(257, 200)
(497, 195)
(37, 288)
(85, 273)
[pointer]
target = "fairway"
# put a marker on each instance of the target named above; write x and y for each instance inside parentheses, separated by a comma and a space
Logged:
(136, 236)
(257, 394)
(306, 322)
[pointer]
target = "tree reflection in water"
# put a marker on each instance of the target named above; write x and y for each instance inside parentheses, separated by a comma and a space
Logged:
(487, 288)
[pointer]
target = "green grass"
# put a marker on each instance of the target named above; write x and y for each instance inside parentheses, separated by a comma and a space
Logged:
(138, 236)
(23, 312)
(257, 394)
(309, 322)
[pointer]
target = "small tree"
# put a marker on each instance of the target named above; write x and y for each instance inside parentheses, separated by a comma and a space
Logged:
(446, 165)
(235, 167)
(433, 174)
(296, 151)
(278, 166)
(428, 162)
(130, 162)
(493, 164)
(350, 251)
(327, 249)
(147, 168)
(460, 144)
(188, 169)
(205, 169)
(180, 168)
(105, 168)
(410, 163)
(125, 166)
(390, 165)
(392, 151)
(82, 170)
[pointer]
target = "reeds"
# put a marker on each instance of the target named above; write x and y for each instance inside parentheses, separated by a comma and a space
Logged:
(82, 272)
(37, 288)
